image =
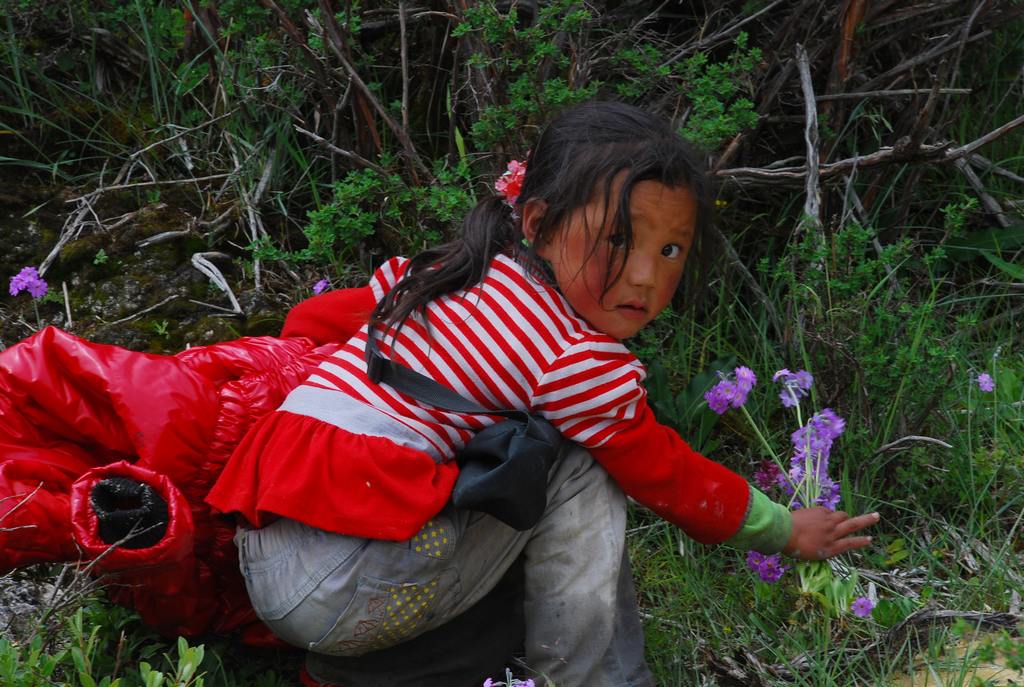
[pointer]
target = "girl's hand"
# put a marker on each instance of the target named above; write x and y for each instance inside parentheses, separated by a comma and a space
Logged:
(819, 533)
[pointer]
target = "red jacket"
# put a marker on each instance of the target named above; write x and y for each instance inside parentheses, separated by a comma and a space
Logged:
(73, 413)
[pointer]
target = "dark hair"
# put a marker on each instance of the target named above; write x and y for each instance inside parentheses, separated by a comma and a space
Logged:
(581, 153)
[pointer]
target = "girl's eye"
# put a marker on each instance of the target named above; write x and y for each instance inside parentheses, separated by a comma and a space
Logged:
(672, 250)
(617, 240)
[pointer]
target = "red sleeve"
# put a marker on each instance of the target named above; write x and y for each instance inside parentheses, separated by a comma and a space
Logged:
(331, 317)
(593, 393)
(656, 467)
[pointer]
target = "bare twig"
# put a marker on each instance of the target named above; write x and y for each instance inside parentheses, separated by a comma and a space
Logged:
(336, 43)
(70, 231)
(217, 222)
(928, 617)
(405, 65)
(221, 308)
(889, 94)
(964, 35)
(355, 157)
(252, 202)
(987, 201)
(83, 582)
(142, 312)
(718, 36)
(912, 437)
(924, 58)
(996, 133)
(202, 263)
(181, 133)
(736, 262)
(162, 237)
(144, 184)
(920, 126)
(940, 152)
(73, 224)
(812, 204)
(293, 31)
(986, 165)
(67, 304)
(25, 498)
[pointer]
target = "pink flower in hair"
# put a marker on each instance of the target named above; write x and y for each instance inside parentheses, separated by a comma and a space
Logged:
(510, 183)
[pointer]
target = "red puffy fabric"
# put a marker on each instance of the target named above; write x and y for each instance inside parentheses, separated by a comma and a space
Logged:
(145, 578)
(73, 413)
(34, 514)
(66, 406)
(334, 316)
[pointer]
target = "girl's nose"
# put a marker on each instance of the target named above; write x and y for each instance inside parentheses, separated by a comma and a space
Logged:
(640, 269)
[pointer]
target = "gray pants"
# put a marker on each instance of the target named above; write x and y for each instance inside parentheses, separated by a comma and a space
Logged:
(345, 596)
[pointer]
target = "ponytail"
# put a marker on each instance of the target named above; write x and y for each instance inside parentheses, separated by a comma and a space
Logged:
(486, 231)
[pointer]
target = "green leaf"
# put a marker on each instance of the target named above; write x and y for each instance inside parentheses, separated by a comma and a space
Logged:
(963, 248)
(1015, 271)
(889, 612)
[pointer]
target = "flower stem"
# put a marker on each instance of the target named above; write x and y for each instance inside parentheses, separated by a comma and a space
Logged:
(764, 442)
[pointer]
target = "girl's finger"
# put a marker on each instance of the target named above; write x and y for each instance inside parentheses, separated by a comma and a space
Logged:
(856, 524)
(850, 543)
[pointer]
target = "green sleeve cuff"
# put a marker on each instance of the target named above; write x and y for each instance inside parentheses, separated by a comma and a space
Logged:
(766, 528)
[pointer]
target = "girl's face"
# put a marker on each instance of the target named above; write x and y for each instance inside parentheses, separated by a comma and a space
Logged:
(664, 219)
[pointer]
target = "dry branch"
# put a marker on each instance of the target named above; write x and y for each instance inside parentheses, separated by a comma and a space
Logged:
(812, 203)
(337, 45)
(897, 92)
(355, 157)
(938, 153)
(987, 201)
(322, 76)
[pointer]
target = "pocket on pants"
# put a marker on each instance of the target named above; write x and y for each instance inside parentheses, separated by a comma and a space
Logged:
(285, 561)
(384, 613)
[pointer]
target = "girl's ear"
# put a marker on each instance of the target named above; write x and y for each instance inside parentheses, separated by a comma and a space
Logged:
(533, 212)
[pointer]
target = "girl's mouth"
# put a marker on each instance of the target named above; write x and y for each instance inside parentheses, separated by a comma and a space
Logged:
(632, 310)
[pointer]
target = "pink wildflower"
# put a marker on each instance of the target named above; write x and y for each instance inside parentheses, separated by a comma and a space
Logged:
(510, 183)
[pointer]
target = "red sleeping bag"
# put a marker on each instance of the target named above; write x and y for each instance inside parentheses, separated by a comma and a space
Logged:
(89, 431)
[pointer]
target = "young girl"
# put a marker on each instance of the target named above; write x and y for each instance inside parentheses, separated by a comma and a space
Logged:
(348, 545)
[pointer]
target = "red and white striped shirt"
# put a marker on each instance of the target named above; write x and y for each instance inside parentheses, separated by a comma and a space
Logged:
(509, 342)
(347, 455)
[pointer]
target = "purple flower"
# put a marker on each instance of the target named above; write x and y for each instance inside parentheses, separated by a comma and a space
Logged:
(808, 473)
(745, 378)
(768, 568)
(862, 607)
(488, 682)
(985, 382)
(795, 385)
(818, 434)
(731, 391)
(321, 286)
(767, 475)
(829, 496)
(720, 396)
(28, 280)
